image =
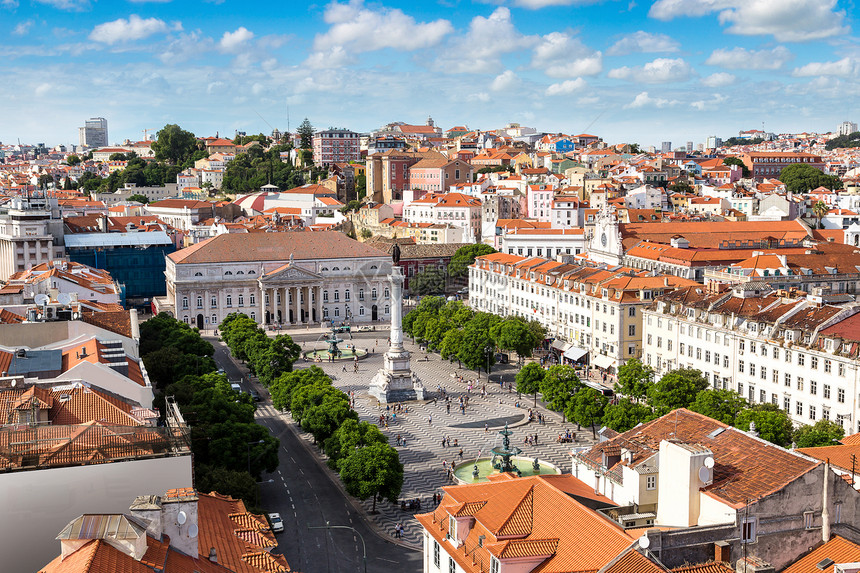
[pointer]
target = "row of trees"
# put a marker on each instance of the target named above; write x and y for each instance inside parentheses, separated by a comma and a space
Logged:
(802, 178)
(358, 451)
(645, 399)
(459, 333)
(434, 281)
(267, 357)
(230, 449)
(642, 399)
(850, 140)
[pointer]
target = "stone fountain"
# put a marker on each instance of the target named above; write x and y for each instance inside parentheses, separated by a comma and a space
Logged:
(506, 452)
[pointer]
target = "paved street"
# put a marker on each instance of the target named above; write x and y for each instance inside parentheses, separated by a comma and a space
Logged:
(308, 488)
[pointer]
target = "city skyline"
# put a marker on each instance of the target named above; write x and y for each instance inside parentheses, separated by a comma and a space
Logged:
(645, 72)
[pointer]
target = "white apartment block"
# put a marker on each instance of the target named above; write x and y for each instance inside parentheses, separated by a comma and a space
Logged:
(800, 354)
(453, 209)
(548, 243)
(593, 309)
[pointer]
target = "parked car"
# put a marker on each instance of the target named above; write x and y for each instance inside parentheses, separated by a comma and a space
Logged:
(464, 290)
(236, 387)
(255, 395)
(502, 358)
(277, 522)
(366, 328)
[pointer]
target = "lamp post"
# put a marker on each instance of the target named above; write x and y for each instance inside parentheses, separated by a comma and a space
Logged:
(489, 352)
(354, 530)
(249, 444)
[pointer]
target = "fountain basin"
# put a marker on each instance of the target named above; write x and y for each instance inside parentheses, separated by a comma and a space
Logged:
(463, 471)
(345, 354)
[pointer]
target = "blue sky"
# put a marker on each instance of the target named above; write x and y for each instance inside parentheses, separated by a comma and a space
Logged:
(628, 70)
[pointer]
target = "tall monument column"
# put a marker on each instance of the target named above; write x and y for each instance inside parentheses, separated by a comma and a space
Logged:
(395, 381)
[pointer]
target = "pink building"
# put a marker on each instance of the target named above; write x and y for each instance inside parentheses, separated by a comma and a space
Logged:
(336, 145)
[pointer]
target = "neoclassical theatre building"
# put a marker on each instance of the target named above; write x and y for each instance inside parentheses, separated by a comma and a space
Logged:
(290, 278)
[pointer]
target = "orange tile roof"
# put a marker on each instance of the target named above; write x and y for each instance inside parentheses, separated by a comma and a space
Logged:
(839, 455)
(634, 562)
(710, 567)
(839, 549)
(96, 556)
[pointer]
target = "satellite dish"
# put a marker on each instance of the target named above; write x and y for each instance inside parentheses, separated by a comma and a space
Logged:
(181, 518)
(709, 462)
(192, 530)
(704, 474)
(42, 299)
(644, 542)
(64, 298)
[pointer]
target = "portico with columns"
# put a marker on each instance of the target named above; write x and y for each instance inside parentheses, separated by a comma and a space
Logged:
(291, 295)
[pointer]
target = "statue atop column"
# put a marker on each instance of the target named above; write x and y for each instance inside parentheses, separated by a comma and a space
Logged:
(395, 381)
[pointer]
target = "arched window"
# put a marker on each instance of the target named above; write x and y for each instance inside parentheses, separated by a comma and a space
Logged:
(184, 302)
(372, 267)
(324, 269)
(240, 272)
(198, 274)
(213, 302)
(241, 300)
(361, 311)
(185, 318)
(252, 272)
(229, 273)
(214, 319)
(386, 309)
(336, 296)
(346, 295)
(325, 313)
(325, 296)
(254, 316)
(199, 302)
(229, 300)
(335, 268)
(336, 311)
(373, 294)
(385, 292)
(361, 294)
(252, 300)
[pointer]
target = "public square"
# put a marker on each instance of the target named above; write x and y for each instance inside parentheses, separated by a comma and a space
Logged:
(429, 421)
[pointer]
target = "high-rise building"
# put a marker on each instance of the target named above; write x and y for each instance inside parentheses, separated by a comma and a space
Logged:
(713, 142)
(666, 147)
(847, 128)
(94, 133)
(689, 147)
(335, 146)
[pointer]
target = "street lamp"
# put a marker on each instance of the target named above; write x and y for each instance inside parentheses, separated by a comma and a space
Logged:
(258, 442)
(354, 530)
(489, 352)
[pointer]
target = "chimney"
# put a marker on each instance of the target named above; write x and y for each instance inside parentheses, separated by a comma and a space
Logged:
(213, 555)
(148, 509)
(722, 551)
(135, 324)
(825, 504)
(179, 518)
(684, 469)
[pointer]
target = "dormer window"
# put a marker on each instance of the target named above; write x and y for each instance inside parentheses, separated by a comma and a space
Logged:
(228, 273)
(452, 527)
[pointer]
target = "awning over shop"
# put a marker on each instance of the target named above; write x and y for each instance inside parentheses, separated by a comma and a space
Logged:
(575, 353)
(602, 361)
(560, 345)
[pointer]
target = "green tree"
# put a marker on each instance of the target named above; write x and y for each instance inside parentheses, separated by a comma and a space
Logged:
(139, 198)
(676, 389)
(366, 233)
(322, 419)
(451, 343)
(823, 433)
(802, 178)
(558, 386)
(73, 159)
(514, 334)
(277, 357)
(745, 171)
(236, 484)
(351, 435)
(173, 144)
(819, 210)
(586, 408)
(529, 379)
(478, 348)
(721, 405)
(465, 257)
(306, 133)
(625, 415)
(429, 306)
(374, 470)
(634, 379)
(681, 187)
(360, 186)
(850, 140)
(771, 423)
(428, 281)
(283, 387)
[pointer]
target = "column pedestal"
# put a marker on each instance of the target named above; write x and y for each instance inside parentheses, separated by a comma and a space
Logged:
(395, 381)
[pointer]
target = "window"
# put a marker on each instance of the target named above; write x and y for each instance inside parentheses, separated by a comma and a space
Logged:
(184, 302)
(254, 316)
(345, 295)
(707, 355)
(763, 373)
(452, 567)
(811, 412)
(361, 294)
(337, 311)
(337, 296)
(325, 296)
(435, 553)
(801, 359)
(827, 365)
(762, 396)
(826, 389)
(740, 389)
(631, 330)
(840, 395)
(361, 311)
(241, 300)
(748, 533)
(813, 387)
(788, 355)
(252, 300)
(229, 300)
(494, 565)
(786, 403)
(788, 380)
(214, 319)
(726, 361)
(741, 366)
(752, 369)
(385, 293)
(808, 519)
(799, 383)
(814, 362)
(631, 311)
(213, 302)
(841, 369)
(798, 409)
(650, 482)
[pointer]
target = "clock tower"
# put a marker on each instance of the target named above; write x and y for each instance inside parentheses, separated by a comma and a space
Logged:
(605, 246)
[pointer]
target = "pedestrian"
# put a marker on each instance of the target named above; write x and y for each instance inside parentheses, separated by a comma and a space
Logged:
(443, 442)
(486, 428)
(461, 453)
(448, 407)
(430, 420)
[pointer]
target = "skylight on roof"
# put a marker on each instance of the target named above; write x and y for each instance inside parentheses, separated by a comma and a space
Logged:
(716, 433)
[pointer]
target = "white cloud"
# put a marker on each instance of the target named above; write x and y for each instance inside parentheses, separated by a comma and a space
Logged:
(785, 20)
(488, 38)
(335, 57)
(538, 4)
(506, 81)
(365, 30)
(482, 97)
(719, 79)
(660, 71)
(743, 59)
(9, 4)
(42, 89)
(69, 5)
(560, 55)
(712, 103)
(644, 100)
(232, 41)
(186, 47)
(846, 68)
(121, 30)
(22, 28)
(643, 42)
(566, 87)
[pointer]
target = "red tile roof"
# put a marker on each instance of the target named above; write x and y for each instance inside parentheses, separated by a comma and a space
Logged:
(839, 549)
